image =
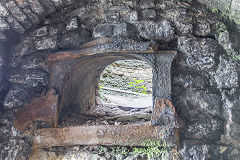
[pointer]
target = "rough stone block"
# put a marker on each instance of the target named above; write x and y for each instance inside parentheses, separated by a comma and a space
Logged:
(72, 25)
(18, 14)
(42, 31)
(144, 4)
(164, 114)
(36, 6)
(226, 75)
(3, 11)
(46, 43)
(28, 77)
(149, 14)
(39, 109)
(162, 30)
(103, 30)
(129, 16)
(15, 24)
(48, 5)
(33, 17)
(58, 3)
(25, 47)
(202, 28)
(198, 53)
(204, 129)
(3, 25)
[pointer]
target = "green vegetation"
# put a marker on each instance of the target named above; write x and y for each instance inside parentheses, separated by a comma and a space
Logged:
(152, 149)
(119, 150)
(137, 87)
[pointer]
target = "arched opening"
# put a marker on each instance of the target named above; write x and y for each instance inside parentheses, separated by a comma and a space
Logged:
(80, 90)
(126, 84)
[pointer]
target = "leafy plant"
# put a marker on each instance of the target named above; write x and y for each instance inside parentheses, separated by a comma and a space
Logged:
(137, 87)
(120, 150)
(152, 149)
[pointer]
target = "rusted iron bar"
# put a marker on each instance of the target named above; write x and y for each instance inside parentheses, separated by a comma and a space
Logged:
(125, 135)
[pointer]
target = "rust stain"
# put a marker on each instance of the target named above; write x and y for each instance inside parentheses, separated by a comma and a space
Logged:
(43, 109)
(160, 104)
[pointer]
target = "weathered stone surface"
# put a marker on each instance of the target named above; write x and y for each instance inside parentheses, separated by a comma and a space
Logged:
(58, 3)
(73, 39)
(226, 75)
(45, 43)
(40, 154)
(202, 28)
(146, 4)
(72, 25)
(157, 31)
(149, 13)
(3, 25)
(48, 5)
(204, 129)
(28, 77)
(36, 6)
(103, 30)
(42, 31)
(197, 54)
(18, 14)
(3, 11)
(198, 151)
(39, 109)
(26, 47)
(32, 16)
(15, 24)
(164, 114)
(130, 135)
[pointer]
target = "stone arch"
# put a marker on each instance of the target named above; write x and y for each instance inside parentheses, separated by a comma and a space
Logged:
(75, 75)
(81, 82)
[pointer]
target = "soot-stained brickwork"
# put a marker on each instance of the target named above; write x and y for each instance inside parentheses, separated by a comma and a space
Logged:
(205, 72)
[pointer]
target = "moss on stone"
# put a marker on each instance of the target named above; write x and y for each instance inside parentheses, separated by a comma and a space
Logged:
(152, 149)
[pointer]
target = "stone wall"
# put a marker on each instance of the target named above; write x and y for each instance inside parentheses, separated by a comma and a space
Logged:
(205, 72)
(228, 8)
(121, 73)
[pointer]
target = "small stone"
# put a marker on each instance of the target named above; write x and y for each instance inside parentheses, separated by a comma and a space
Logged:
(202, 28)
(18, 14)
(3, 24)
(22, 3)
(162, 30)
(58, 3)
(120, 29)
(144, 4)
(112, 16)
(15, 24)
(48, 5)
(3, 11)
(130, 16)
(72, 25)
(149, 13)
(226, 75)
(42, 31)
(103, 30)
(2, 36)
(34, 18)
(36, 6)
(25, 47)
(46, 43)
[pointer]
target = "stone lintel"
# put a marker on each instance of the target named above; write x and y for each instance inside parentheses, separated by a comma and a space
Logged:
(123, 135)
